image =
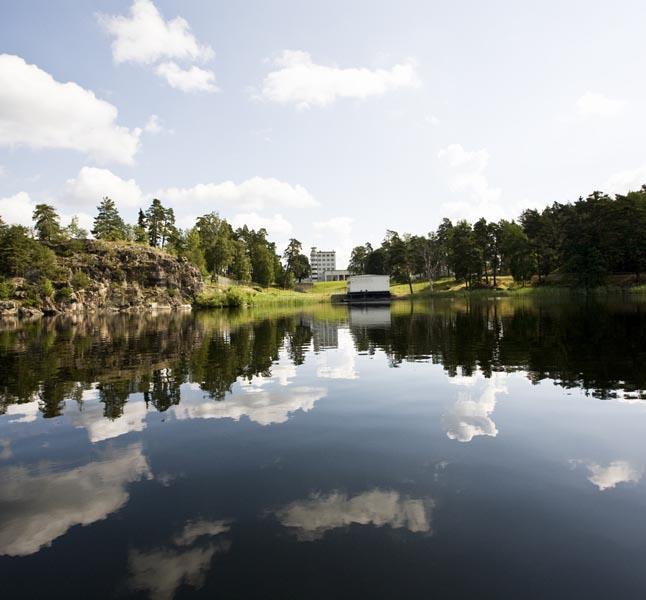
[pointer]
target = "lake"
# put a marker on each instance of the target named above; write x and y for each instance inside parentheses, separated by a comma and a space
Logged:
(449, 449)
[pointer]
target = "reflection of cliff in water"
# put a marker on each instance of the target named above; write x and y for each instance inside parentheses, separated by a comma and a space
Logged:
(599, 347)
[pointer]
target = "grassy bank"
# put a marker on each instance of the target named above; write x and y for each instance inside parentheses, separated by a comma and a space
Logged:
(214, 296)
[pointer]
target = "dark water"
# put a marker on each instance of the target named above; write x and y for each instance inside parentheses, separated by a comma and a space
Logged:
(448, 450)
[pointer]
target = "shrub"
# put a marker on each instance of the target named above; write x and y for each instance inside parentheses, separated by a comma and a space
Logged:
(235, 298)
(6, 290)
(46, 288)
(80, 280)
(64, 293)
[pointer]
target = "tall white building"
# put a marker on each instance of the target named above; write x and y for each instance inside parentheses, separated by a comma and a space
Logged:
(320, 262)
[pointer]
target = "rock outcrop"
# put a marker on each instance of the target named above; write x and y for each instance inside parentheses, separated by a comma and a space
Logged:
(97, 276)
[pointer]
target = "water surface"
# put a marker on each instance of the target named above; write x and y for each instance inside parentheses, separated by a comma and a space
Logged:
(491, 449)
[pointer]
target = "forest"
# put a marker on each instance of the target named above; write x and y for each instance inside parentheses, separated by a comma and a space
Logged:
(584, 242)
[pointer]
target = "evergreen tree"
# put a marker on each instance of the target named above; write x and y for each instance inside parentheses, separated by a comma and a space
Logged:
(46, 222)
(108, 224)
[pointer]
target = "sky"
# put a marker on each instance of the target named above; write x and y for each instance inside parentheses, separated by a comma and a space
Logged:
(330, 122)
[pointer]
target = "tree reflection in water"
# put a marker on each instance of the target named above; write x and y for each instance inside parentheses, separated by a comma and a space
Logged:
(600, 347)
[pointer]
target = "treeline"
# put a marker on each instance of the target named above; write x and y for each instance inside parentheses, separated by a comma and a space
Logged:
(586, 240)
(212, 244)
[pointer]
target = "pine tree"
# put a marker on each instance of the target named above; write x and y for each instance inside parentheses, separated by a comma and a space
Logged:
(108, 224)
(46, 223)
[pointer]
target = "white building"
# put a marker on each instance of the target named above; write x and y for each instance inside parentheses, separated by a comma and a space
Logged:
(320, 262)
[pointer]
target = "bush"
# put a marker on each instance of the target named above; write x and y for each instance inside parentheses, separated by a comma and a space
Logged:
(64, 293)
(46, 288)
(235, 298)
(80, 280)
(6, 290)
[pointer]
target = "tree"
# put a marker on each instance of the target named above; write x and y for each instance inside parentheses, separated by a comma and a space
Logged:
(108, 224)
(296, 262)
(140, 229)
(358, 259)
(241, 263)
(517, 251)
(376, 262)
(22, 256)
(74, 231)
(46, 222)
(160, 224)
(465, 256)
(216, 240)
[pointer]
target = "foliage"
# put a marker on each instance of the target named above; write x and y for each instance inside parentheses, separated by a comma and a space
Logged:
(159, 223)
(46, 223)
(80, 280)
(108, 224)
(46, 288)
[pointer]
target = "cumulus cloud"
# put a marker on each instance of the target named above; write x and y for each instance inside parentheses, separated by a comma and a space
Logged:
(99, 428)
(593, 104)
(276, 226)
(253, 194)
(145, 38)
(608, 477)
(300, 81)
(91, 184)
(17, 209)
(310, 519)
(629, 180)
(44, 502)
(471, 417)
(191, 79)
(467, 178)
(153, 125)
(39, 112)
(193, 530)
(263, 406)
(162, 570)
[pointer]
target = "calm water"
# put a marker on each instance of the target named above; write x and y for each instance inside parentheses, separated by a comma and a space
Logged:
(447, 450)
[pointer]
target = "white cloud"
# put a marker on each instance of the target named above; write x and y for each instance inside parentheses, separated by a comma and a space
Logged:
(191, 79)
(254, 194)
(626, 181)
(341, 226)
(99, 428)
(593, 104)
(193, 530)
(277, 226)
(153, 125)
(145, 37)
(162, 571)
(17, 209)
(618, 471)
(310, 519)
(432, 120)
(300, 81)
(46, 501)
(471, 417)
(263, 406)
(92, 184)
(466, 173)
(39, 112)
(3, 171)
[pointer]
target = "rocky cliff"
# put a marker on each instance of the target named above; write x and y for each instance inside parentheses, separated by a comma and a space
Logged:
(92, 275)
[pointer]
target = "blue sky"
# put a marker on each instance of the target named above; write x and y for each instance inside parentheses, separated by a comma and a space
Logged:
(328, 121)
